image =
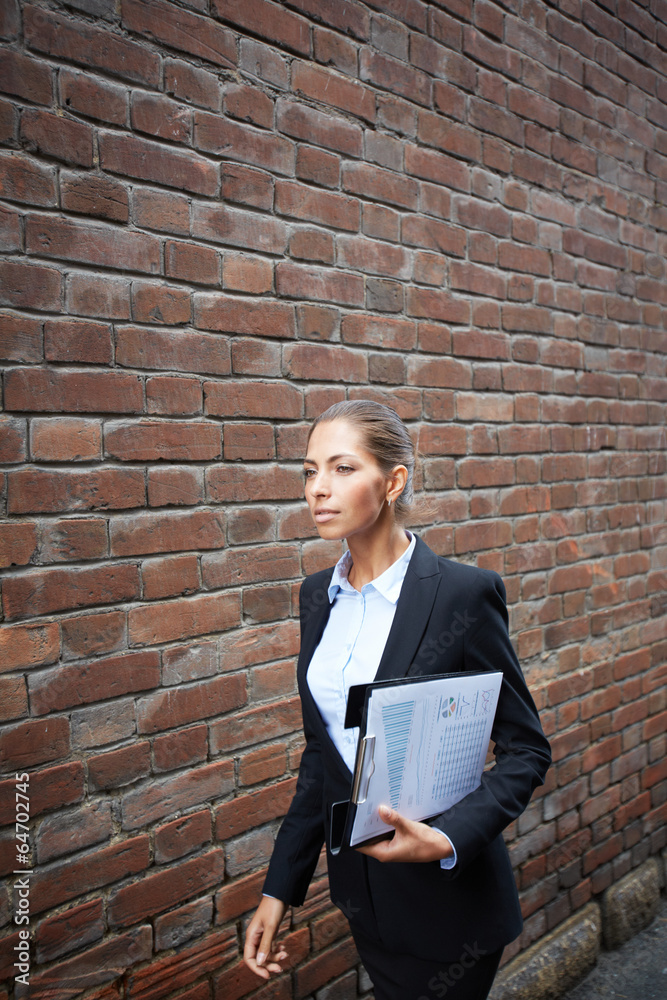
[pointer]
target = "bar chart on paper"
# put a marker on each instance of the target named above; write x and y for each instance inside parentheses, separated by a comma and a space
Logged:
(397, 723)
(430, 740)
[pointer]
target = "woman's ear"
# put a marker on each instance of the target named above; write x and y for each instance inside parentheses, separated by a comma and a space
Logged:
(398, 478)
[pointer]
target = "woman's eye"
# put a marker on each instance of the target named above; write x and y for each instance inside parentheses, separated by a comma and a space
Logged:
(344, 468)
(307, 473)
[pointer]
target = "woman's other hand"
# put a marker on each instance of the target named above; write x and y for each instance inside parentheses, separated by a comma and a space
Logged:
(262, 952)
(411, 841)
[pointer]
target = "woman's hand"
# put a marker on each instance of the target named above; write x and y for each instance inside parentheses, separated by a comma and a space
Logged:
(410, 841)
(262, 953)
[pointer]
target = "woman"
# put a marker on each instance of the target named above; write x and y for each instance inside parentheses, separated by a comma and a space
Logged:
(432, 907)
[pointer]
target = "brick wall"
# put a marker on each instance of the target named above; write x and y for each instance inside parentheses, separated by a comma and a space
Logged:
(220, 216)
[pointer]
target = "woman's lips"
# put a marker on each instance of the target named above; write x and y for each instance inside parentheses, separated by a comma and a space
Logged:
(324, 515)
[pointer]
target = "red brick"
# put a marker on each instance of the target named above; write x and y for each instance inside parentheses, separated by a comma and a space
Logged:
(24, 180)
(279, 26)
(249, 442)
(13, 440)
(316, 127)
(161, 210)
(395, 334)
(188, 262)
(243, 273)
(253, 399)
(87, 635)
(167, 440)
(379, 184)
(169, 532)
(302, 202)
(171, 395)
(74, 538)
(64, 687)
(152, 161)
(237, 566)
(10, 229)
(65, 439)
(390, 74)
(37, 742)
(20, 338)
(96, 295)
(56, 391)
(160, 304)
(302, 282)
(175, 971)
(235, 315)
(192, 84)
(252, 810)
(179, 29)
(25, 646)
(214, 134)
(180, 351)
(58, 137)
(24, 77)
(75, 927)
(331, 89)
(317, 166)
(44, 591)
(159, 891)
(432, 303)
(161, 117)
(175, 487)
(262, 764)
(255, 726)
(182, 836)
(73, 340)
(325, 966)
(93, 96)
(348, 17)
(100, 964)
(437, 167)
(312, 244)
(249, 104)
(434, 235)
(246, 186)
(239, 229)
(308, 361)
(88, 244)
(70, 878)
(79, 42)
(119, 767)
(29, 286)
(18, 543)
(183, 748)
(13, 698)
(169, 576)
(182, 619)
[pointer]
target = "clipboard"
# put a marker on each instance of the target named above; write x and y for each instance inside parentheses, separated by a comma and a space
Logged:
(422, 746)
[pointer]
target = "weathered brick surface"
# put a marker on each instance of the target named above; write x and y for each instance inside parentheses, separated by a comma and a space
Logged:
(217, 219)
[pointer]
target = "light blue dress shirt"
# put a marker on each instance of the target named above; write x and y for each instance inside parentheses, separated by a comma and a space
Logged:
(352, 645)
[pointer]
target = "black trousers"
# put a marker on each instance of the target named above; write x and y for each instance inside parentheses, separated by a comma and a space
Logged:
(404, 977)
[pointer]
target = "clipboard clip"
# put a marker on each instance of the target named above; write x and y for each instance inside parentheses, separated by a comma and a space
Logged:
(364, 773)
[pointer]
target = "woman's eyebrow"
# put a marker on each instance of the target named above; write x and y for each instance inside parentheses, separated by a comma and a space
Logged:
(333, 458)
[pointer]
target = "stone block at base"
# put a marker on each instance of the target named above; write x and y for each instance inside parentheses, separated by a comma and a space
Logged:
(631, 904)
(556, 963)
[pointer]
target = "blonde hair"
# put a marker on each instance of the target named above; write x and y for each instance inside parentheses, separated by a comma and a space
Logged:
(385, 437)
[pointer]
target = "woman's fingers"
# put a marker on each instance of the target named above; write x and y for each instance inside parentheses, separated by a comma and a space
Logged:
(261, 952)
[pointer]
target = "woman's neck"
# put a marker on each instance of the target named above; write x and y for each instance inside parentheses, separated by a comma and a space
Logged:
(372, 556)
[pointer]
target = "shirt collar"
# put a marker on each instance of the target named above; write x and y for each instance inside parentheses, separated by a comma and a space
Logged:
(388, 583)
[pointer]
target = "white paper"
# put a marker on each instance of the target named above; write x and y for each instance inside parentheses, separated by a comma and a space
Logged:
(427, 744)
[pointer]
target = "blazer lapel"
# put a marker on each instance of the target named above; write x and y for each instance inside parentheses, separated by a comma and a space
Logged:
(413, 611)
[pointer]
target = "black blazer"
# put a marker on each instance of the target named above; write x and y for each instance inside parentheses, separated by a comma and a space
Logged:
(448, 617)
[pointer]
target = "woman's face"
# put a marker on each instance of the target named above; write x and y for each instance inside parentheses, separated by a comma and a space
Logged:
(345, 487)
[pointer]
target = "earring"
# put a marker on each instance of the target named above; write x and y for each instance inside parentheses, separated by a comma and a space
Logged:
(388, 501)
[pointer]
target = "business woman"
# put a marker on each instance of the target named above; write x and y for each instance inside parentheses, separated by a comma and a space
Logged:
(432, 906)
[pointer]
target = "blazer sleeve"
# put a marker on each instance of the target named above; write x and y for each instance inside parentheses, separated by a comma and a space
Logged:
(522, 752)
(297, 847)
